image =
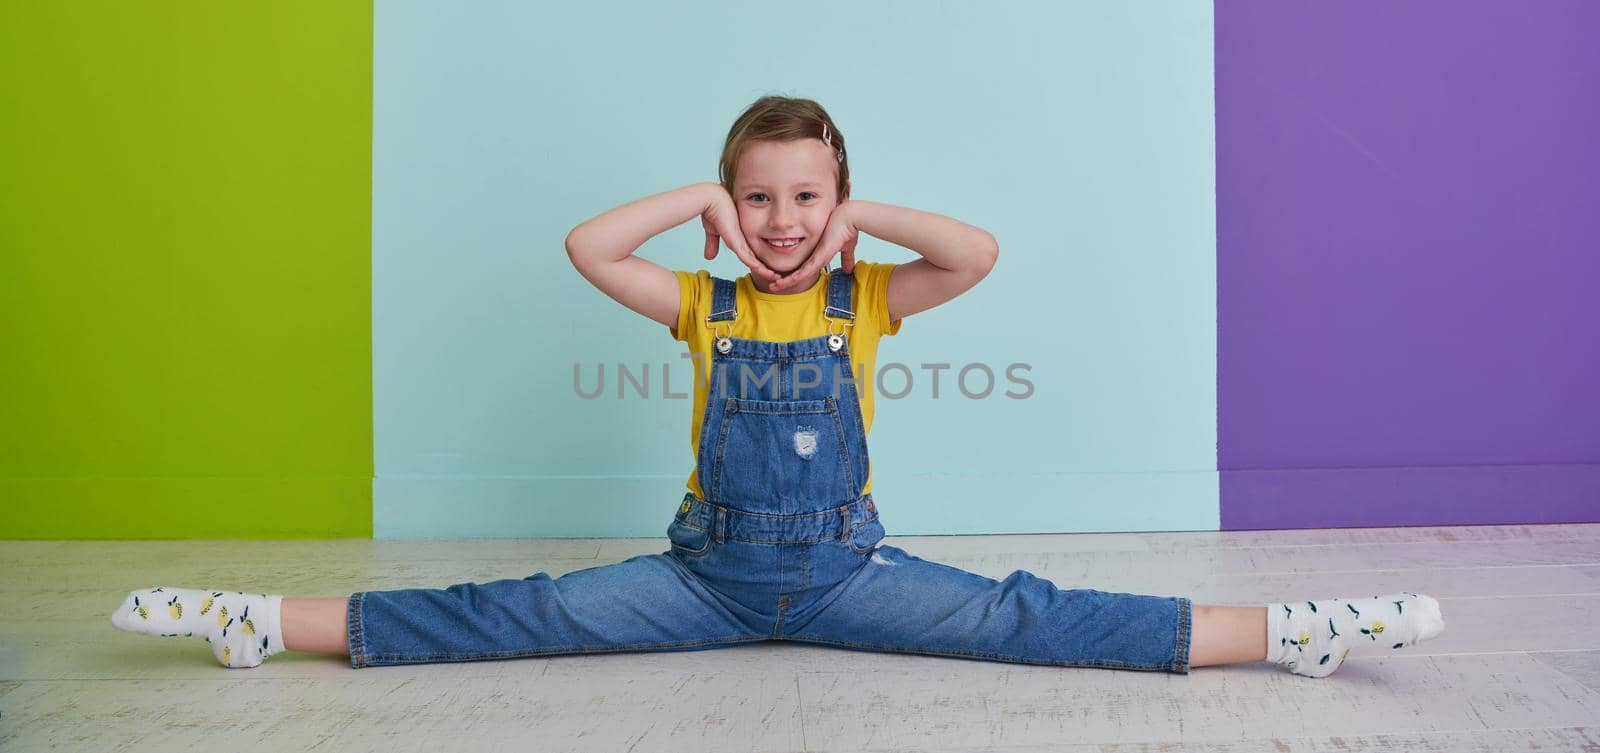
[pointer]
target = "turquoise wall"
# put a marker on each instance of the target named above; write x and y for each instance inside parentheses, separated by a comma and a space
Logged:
(1079, 134)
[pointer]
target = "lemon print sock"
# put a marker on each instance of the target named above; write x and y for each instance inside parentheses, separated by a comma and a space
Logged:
(1312, 638)
(242, 628)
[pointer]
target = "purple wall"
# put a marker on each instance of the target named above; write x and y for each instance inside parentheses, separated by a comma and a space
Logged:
(1408, 262)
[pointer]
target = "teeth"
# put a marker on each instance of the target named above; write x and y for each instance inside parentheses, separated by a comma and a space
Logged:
(784, 244)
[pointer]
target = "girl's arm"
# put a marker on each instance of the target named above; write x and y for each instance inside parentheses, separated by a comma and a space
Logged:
(602, 248)
(955, 255)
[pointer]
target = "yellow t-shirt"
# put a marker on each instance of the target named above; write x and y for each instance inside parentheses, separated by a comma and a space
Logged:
(784, 317)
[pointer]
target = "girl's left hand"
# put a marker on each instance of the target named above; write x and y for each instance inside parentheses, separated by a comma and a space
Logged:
(839, 237)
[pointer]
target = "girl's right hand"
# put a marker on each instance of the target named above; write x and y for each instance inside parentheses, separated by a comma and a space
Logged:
(721, 221)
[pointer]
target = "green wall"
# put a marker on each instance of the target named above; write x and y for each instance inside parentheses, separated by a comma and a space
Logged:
(185, 280)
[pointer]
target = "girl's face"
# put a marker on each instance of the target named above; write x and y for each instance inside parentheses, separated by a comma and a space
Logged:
(785, 192)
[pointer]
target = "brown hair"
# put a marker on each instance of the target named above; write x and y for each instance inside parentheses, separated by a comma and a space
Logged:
(783, 119)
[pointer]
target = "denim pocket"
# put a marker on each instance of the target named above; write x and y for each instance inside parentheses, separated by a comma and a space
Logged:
(795, 450)
(866, 536)
(688, 540)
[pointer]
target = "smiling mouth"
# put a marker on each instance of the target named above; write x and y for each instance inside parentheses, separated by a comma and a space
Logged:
(783, 245)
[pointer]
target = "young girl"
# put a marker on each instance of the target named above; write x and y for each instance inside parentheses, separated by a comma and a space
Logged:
(778, 537)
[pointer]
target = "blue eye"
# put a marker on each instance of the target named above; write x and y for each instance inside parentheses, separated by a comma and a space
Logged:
(757, 196)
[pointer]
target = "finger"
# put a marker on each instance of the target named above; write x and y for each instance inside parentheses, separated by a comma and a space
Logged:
(761, 269)
(755, 263)
(848, 260)
(790, 277)
(742, 250)
(736, 244)
(818, 259)
(711, 245)
(825, 253)
(823, 258)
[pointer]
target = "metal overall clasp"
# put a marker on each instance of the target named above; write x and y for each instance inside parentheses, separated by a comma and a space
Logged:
(836, 340)
(724, 340)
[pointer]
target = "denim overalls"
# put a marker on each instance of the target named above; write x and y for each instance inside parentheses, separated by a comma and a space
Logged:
(783, 547)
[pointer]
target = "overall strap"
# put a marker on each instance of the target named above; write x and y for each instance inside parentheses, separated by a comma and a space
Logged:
(839, 287)
(723, 307)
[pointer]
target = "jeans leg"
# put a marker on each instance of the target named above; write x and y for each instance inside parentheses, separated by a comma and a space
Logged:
(645, 603)
(897, 602)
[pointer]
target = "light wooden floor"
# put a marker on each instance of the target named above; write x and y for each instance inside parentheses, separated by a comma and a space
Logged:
(1517, 668)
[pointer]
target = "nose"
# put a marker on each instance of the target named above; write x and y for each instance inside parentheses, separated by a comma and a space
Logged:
(781, 213)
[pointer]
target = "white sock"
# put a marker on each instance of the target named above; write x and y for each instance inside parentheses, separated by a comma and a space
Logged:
(242, 628)
(1312, 638)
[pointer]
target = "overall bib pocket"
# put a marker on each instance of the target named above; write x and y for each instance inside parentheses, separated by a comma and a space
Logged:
(791, 449)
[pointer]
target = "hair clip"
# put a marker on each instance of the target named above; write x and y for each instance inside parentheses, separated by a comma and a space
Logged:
(827, 138)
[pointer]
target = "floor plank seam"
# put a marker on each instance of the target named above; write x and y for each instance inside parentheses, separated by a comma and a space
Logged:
(1386, 569)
